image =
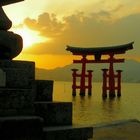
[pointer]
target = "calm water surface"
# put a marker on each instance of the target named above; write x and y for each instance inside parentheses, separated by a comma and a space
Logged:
(93, 109)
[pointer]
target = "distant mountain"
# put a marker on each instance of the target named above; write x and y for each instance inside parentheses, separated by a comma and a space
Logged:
(131, 72)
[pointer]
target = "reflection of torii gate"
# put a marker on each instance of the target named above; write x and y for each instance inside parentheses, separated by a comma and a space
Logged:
(108, 74)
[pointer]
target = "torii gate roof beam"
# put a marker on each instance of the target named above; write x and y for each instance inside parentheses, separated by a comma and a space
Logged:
(119, 49)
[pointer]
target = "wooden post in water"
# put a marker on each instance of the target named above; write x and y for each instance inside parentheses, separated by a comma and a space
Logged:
(104, 87)
(83, 75)
(119, 83)
(89, 82)
(74, 81)
(111, 77)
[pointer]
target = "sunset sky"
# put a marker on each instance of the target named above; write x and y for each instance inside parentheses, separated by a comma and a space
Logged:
(47, 26)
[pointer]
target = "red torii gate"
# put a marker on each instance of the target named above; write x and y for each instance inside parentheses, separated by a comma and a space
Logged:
(108, 74)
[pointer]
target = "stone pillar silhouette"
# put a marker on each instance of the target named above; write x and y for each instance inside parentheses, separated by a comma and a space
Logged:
(6, 2)
(11, 44)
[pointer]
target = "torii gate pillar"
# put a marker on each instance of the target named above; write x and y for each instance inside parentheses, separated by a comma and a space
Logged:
(107, 83)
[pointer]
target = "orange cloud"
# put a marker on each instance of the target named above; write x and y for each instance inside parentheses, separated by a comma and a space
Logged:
(84, 31)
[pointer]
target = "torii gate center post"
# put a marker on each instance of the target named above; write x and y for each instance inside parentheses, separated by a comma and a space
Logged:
(109, 75)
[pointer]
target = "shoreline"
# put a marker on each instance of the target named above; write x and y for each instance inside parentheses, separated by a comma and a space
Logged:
(117, 130)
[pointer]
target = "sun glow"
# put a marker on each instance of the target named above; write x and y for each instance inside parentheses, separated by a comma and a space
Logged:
(30, 37)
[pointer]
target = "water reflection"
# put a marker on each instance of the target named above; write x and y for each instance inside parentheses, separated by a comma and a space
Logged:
(111, 108)
(82, 109)
(89, 109)
(110, 104)
(82, 100)
(93, 109)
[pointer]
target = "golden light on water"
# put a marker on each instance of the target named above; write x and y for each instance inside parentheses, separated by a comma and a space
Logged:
(30, 37)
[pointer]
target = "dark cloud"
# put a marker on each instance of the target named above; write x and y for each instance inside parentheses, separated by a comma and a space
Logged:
(47, 24)
(84, 31)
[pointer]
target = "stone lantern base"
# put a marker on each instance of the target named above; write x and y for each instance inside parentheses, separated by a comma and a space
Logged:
(16, 88)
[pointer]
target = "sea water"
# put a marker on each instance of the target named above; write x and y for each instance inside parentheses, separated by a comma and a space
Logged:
(93, 109)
